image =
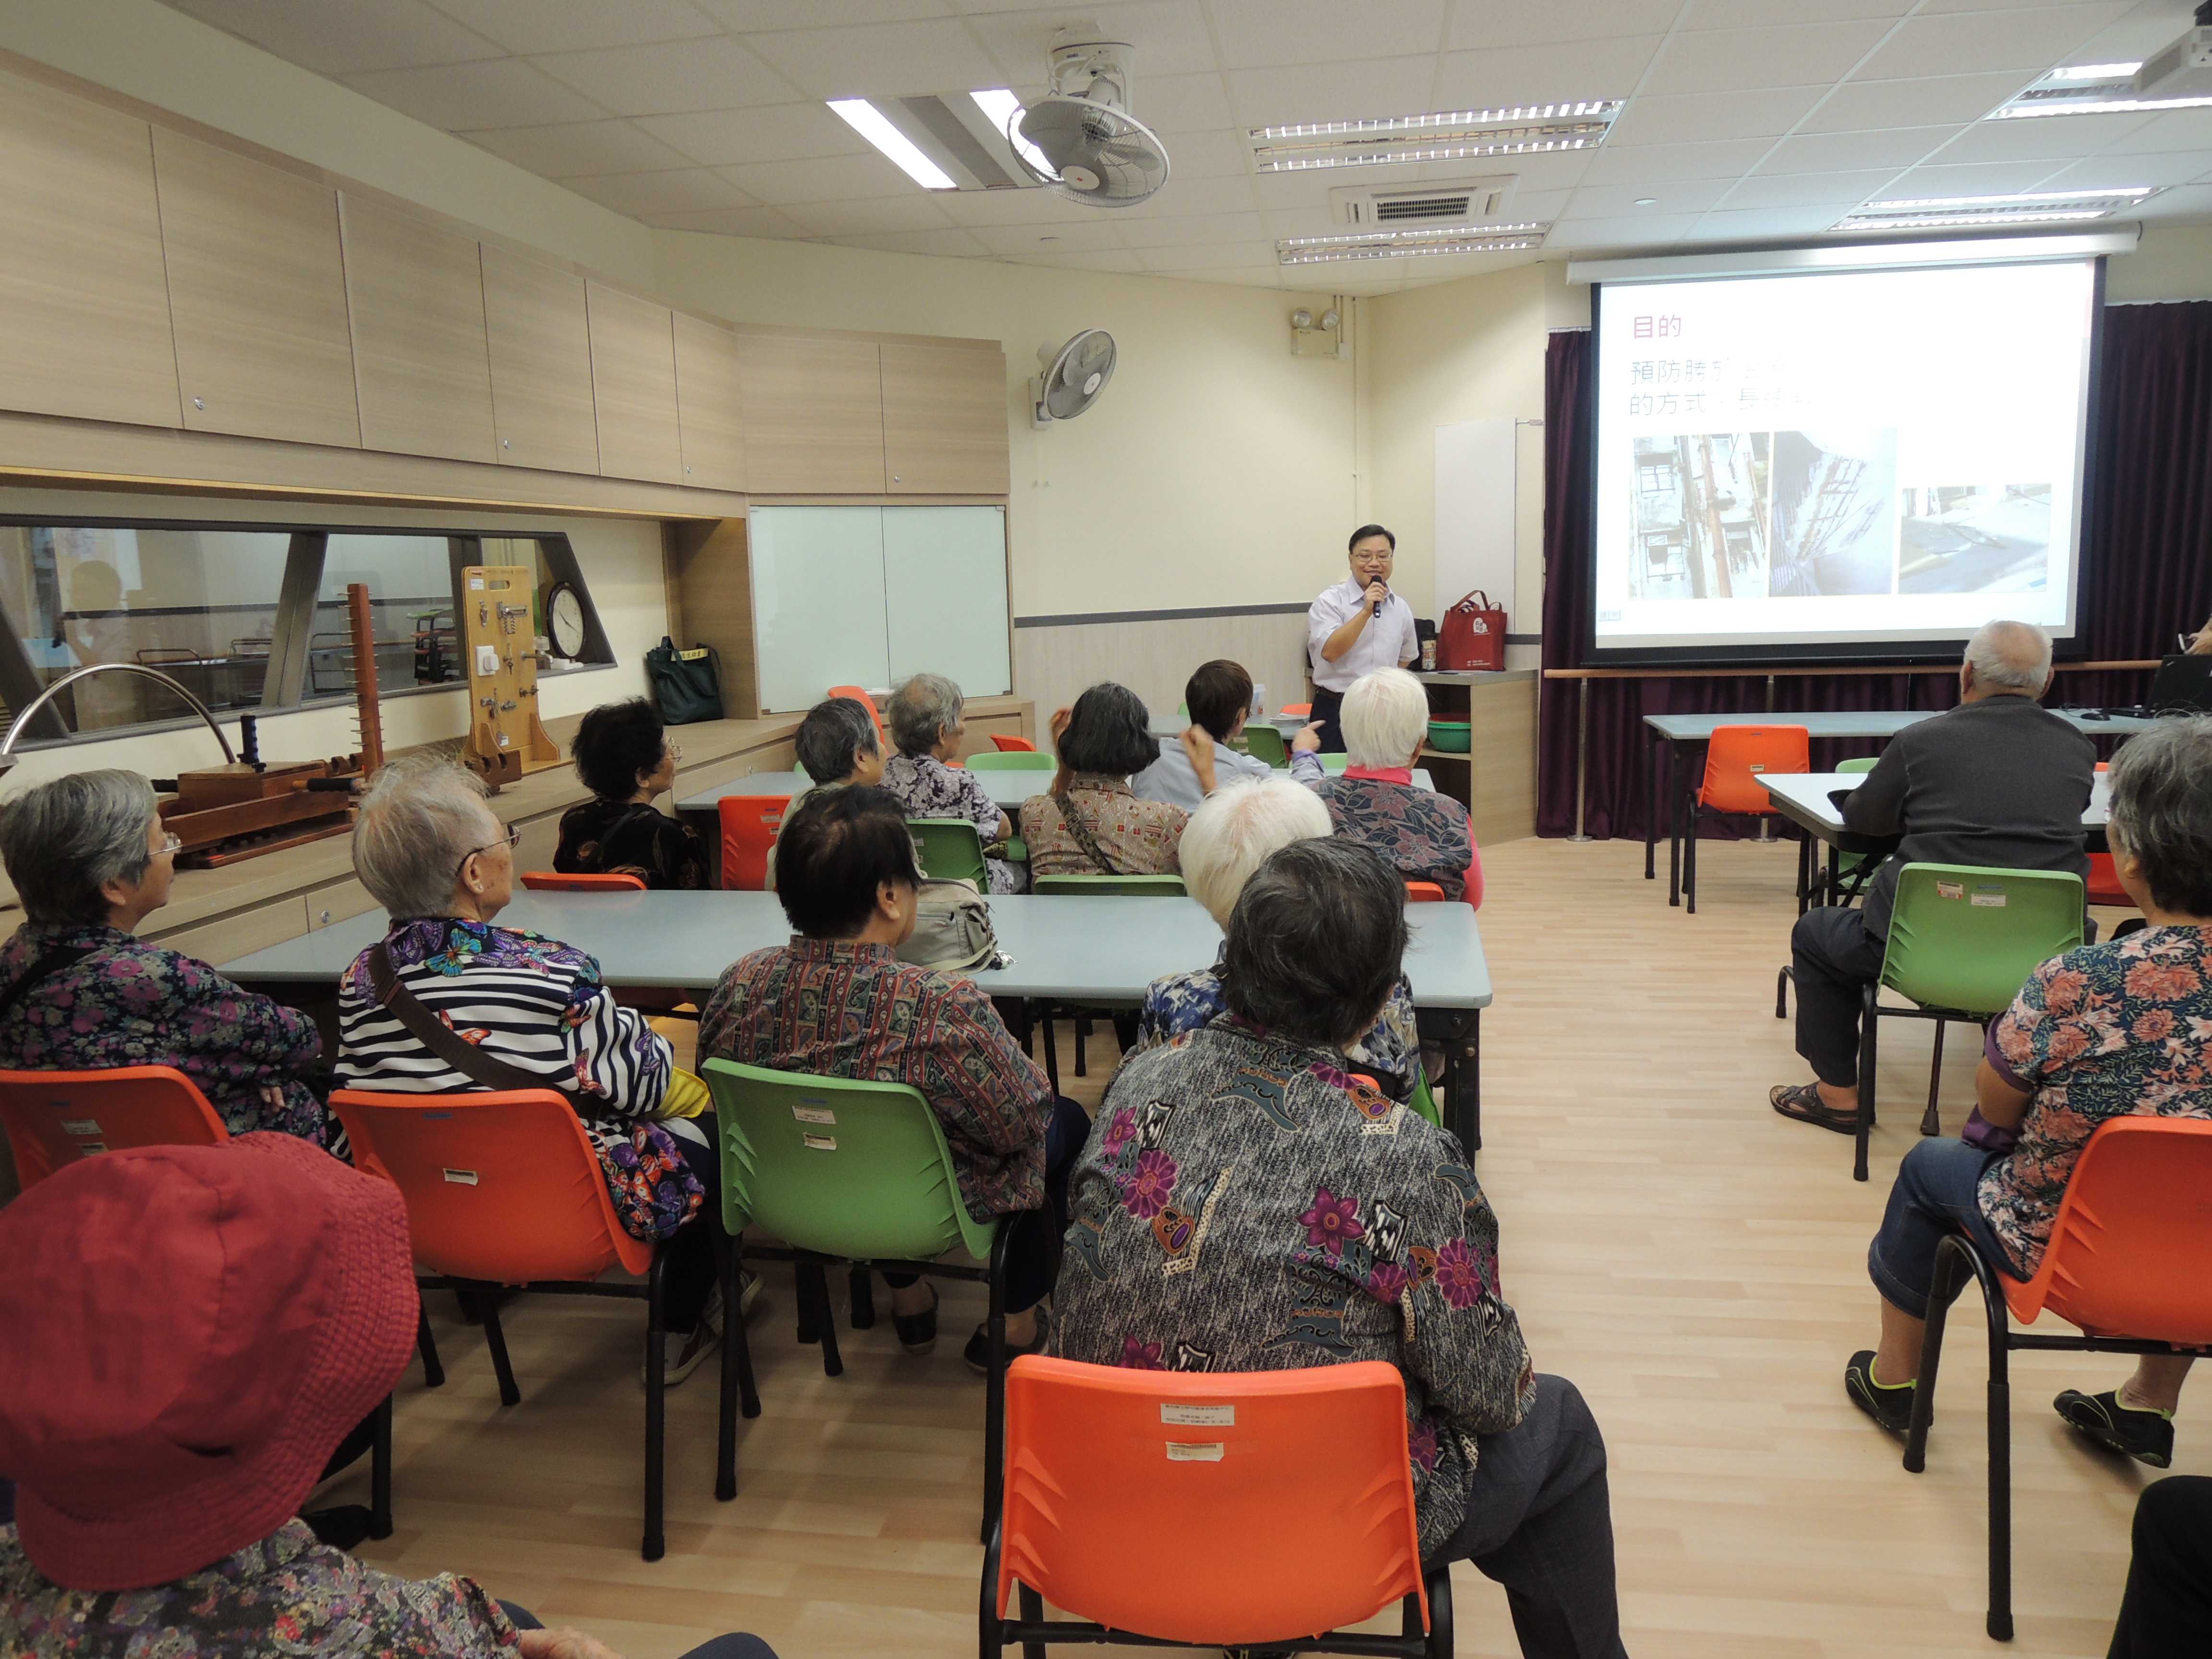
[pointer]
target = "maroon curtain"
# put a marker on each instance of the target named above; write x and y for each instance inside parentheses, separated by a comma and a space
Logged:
(2147, 557)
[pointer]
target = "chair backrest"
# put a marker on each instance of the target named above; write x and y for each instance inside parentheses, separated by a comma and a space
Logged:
(1157, 1501)
(2105, 882)
(553, 881)
(1424, 892)
(1011, 760)
(862, 698)
(850, 1169)
(2127, 1250)
(1144, 886)
(1008, 745)
(55, 1118)
(1423, 1102)
(1858, 765)
(749, 827)
(951, 850)
(1264, 743)
(1964, 937)
(1739, 754)
(1301, 709)
(503, 1187)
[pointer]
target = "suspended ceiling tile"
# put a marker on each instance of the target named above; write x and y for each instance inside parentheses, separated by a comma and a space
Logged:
(1866, 105)
(1689, 117)
(1620, 201)
(1616, 163)
(821, 178)
(1197, 196)
(951, 244)
(2178, 129)
(2011, 37)
(1111, 259)
(1838, 152)
(732, 221)
(1510, 76)
(2160, 172)
(979, 208)
(579, 148)
(917, 211)
(1166, 37)
(1839, 190)
(2189, 201)
(1218, 154)
(2062, 138)
(1558, 170)
(1169, 104)
(1986, 179)
(1272, 33)
(1758, 224)
(681, 190)
(1193, 229)
(1742, 60)
(1209, 256)
(671, 77)
(1539, 23)
(770, 132)
(750, 16)
(1753, 14)
(1078, 238)
(346, 37)
(1644, 231)
(1278, 222)
(530, 26)
(885, 60)
(1366, 89)
(504, 92)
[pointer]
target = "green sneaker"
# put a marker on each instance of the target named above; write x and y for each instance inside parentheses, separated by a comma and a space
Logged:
(1892, 1407)
(2145, 1436)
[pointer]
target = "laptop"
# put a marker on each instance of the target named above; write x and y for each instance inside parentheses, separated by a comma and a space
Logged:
(2183, 686)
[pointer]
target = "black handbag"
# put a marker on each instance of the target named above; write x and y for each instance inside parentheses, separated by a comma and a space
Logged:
(687, 684)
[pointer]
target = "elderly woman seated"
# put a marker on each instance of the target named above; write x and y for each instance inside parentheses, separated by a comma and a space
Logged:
(1226, 840)
(534, 1013)
(1219, 697)
(837, 1002)
(1321, 1223)
(1092, 822)
(1428, 837)
(624, 758)
(2118, 1029)
(836, 745)
(80, 991)
(924, 716)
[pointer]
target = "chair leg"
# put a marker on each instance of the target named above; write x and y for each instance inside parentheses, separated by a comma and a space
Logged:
(994, 1389)
(825, 1318)
(1082, 1031)
(656, 1403)
(863, 1288)
(1999, 1622)
(1690, 863)
(380, 1472)
(1940, 1287)
(1051, 1049)
(1032, 1606)
(737, 1382)
(1782, 994)
(495, 1339)
(434, 1374)
(1931, 1121)
(1868, 1043)
(1440, 1613)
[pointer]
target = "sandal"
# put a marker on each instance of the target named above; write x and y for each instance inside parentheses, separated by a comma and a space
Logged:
(1802, 1102)
(917, 1333)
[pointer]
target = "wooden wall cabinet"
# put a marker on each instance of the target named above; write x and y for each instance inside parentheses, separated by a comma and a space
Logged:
(84, 302)
(538, 330)
(710, 404)
(944, 420)
(711, 603)
(634, 387)
(814, 416)
(415, 294)
(257, 296)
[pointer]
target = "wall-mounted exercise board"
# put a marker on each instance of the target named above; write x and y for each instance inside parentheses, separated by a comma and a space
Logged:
(506, 737)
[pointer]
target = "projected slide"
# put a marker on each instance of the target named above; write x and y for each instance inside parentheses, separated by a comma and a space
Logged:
(1840, 458)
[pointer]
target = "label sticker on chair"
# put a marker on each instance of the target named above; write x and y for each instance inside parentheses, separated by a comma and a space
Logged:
(80, 1126)
(820, 1143)
(462, 1177)
(1199, 1417)
(1758, 765)
(814, 1115)
(91, 1148)
(1950, 890)
(1185, 1451)
(1990, 899)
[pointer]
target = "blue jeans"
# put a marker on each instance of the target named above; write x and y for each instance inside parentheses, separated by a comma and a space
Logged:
(1934, 1195)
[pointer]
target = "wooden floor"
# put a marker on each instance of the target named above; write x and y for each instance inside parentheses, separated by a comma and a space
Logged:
(1696, 1264)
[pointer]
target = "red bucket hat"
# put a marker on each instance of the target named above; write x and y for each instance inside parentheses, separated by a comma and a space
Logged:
(191, 1330)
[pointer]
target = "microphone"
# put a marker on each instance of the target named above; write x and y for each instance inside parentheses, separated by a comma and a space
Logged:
(1378, 609)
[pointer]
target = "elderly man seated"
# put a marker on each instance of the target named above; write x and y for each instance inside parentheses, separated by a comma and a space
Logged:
(446, 1003)
(837, 1002)
(926, 723)
(1321, 1223)
(1996, 781)
(1228, 838)
(2107, 1031)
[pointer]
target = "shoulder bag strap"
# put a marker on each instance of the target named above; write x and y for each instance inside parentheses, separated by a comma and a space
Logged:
(52, 963)
(1081, 832)
(440, 1038)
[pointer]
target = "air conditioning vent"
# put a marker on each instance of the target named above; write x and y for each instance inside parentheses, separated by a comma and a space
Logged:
(1464, 202)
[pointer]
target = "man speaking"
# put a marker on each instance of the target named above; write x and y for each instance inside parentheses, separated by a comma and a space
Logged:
(1356, 627)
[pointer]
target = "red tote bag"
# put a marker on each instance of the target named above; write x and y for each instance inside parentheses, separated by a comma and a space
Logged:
(1472, 635)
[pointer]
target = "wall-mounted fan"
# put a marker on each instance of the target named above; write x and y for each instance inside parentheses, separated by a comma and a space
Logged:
(1094, 150)
(1074, 374)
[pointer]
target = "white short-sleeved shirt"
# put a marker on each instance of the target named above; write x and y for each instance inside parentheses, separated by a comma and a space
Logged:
(1388, 640)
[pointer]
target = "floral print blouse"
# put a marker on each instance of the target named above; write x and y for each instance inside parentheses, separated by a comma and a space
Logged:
(130, 1003)
(1139, 837)
(285, 1597)
(928, 788)
(1176, 1003)
(1243, 1203)
(2108, 1030)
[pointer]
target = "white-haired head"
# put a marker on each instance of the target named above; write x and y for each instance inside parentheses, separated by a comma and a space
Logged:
(1232, 833)
(1385, 718)
(2010, 656)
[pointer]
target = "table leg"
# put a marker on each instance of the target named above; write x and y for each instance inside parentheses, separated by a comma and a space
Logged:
(1467, 1087)
(1674, 822)
(1650, 799)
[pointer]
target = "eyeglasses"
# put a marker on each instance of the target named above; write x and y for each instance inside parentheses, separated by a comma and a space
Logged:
(170, 844)
(512, 838)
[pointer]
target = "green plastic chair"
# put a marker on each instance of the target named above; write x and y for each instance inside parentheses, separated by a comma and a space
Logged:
(1134, 886)
(1423, 1102)
(1011, 760)
(951, 850)
(1962, 941)
(1144, 886)
(845, 1171)
(1263, 743)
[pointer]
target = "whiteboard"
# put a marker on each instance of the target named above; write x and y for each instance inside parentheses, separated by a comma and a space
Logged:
(1475, 513)
(945, 594)
(818, 601)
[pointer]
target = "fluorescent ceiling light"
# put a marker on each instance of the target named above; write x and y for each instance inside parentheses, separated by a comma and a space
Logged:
(1400, 244)
(999, 107)
(1523, 131)
(2095, 72)
(2037, 207)
(864, 119)
(2088, 89)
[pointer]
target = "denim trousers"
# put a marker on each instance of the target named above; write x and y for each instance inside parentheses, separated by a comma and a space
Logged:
(1934, 1195)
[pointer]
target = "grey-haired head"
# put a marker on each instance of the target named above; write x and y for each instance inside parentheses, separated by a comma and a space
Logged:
(65, 839)
(1316, 940)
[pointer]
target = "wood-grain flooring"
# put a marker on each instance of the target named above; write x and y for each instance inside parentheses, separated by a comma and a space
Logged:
(1694, 1262)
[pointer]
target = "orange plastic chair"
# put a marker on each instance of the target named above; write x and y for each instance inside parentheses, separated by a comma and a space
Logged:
(1424, 892)
(1736, 759)
(858, 695)
(750, 823)
(552, 881)
(1303, 710)
(2122, 1266)
(1113, 1475)
(2103, 879)
(1013, 746)
(504, 1192)
(55, 1118)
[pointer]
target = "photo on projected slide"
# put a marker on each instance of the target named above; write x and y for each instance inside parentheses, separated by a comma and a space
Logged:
(1974, 539)
(1701, 517)
(1835, 512)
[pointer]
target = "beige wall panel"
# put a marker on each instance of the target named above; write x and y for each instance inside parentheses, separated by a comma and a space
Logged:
(1053, 666)
(713, 575)
(84, 305)
(814, 416)
(539, 334)
(257, 293)
(944, 420)
(415, 295)
(711, 404)
(1504, 748)
(634, 387)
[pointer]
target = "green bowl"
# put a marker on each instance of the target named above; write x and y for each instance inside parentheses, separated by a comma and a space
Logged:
(1452, 736)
